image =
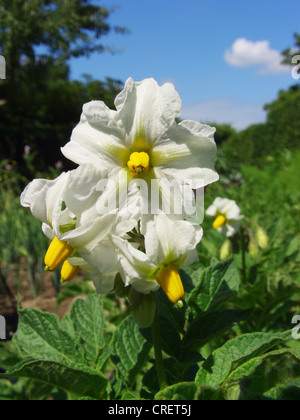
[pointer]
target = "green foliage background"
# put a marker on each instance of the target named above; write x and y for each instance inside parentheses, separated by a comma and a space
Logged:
(232, 339)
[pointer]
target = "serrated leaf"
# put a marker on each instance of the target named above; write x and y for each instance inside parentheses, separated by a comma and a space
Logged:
(189, 391)
(234, 353)
(130, 395)
(174, 313)
(129, 349)
(77, 380)
(272, 370)
(287, 392)
(180, 391)
(39, 336)
(218, 283)
(9, 355)
(88, 321)
(209, 325)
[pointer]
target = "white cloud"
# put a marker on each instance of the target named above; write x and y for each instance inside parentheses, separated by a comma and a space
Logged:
(223, 110)
(244, 53)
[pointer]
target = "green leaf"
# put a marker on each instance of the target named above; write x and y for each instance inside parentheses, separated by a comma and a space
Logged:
(189, 391)
(39, 336)
(266, 374)
(287, 392)
(130, 349)
(169, 337)
(9, 355)
(130, 395)
(181, 391)
(9, 391)
(218, 284)
(234, 353)
(172, 312)
(39, 391)
(207, 326)
(80, 381)
(88, 321)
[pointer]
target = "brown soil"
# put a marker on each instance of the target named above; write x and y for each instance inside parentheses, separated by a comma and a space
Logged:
(45, 300)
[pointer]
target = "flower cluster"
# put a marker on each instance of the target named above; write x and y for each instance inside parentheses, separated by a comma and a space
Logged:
(100, 216)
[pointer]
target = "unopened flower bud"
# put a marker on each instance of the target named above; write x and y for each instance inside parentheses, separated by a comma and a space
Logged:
(253, 247)
(58, 252)
(134, 298)
(68, 272)
(262, 238)
(120, 289)
(144, 312)
(170, 281)
(226, 250)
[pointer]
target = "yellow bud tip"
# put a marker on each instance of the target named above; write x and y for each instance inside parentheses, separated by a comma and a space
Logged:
(68, 272)
(170, 281)
(219, 222)
(139, 163)
(58, 252)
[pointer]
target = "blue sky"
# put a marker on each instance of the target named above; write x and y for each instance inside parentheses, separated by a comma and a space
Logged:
(222, 55)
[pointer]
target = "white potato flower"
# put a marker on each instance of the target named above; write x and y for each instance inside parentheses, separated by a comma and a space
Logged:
(116, 151)
(141, 140)
(66, 207)
(227, 215)
(168, 245)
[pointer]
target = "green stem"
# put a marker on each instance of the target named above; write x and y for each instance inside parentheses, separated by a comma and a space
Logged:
(243, 248)
(158, 353)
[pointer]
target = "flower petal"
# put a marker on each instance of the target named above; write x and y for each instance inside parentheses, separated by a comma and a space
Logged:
(147, 110)
(173, 239)
(186, 151)
(42, 195)
(97, 140)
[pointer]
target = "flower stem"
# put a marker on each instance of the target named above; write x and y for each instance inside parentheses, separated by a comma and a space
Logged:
(243, 248)
(158, 353)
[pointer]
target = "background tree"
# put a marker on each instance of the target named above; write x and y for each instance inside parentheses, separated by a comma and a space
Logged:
(39, 103)
(289, 53)
(223, 132)
(280, 132)
(284, 119)
(67, 28)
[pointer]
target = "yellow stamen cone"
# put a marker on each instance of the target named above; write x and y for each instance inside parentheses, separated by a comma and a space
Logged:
(139, 163)
(170, 281)
(68, 272)
(58, 252)
(219, 222)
